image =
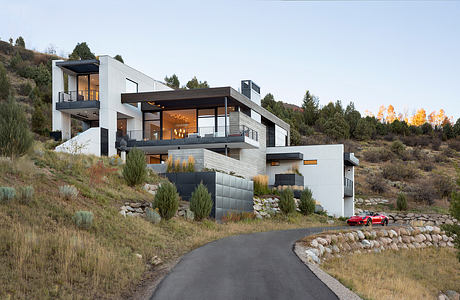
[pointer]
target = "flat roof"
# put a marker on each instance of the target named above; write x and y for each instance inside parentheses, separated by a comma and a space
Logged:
(196, 98)
(284, 156)
(80, 66)
(350, 159)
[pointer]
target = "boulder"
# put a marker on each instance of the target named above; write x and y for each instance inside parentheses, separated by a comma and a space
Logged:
(360, 235)
(420, 238)
(393, 246)
(314, 243)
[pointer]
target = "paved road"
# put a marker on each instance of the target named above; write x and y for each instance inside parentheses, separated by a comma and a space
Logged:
(253, 266)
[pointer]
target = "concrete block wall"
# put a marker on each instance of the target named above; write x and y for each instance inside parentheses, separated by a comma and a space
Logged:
(254, 157)
(208, 159)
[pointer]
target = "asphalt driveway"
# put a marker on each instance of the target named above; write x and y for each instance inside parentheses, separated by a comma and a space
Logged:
(252, 266)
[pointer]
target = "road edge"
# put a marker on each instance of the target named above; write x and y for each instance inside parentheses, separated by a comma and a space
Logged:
(341, 291)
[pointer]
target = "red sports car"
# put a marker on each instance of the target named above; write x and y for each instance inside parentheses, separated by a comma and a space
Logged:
(367, 218)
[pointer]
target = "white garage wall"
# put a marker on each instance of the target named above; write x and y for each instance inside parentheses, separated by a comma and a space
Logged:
(324, 179)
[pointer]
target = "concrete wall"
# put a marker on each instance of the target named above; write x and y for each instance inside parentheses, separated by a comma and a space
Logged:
(208, 159)
(349, 207)
(324, 179)
(61, 121)
(87, 142)
(253, 157)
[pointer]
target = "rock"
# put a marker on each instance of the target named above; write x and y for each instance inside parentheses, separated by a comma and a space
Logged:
(314, 243)
(445, 238)
(393, 246)
(321, 249)
(322, 241)
(450, 244)
(366, 243)
(335, 249)
(392, 233)
(189, 215)
(420, 238)
(330, 222)
(135, 205)
(312, 257)
(156, 261)
(406, 239)
(428, 237)
(453, 295)
(123, 213)
(138, 255)
(360, 235)
(441, 296)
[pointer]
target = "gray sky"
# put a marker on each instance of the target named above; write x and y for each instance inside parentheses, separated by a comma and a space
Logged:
(404, 53)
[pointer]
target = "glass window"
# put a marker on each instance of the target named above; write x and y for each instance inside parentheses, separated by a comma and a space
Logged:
(310, 162)
(82, 86)
(206, 121)
(121, 127)
(179, 124)
(94, 87)
(152, 128)
(280, 136)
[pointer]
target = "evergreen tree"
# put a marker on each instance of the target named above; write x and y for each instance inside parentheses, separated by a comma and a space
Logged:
(173, 81)
(310, 108)
(20, 42)
(81, 51)
(201, 202)
(4, 83)
(135, 170)
(336, 127)
(457, 127)
(38, 119)
(15, 136)
(195, 84)
(352, 116)
(448, 130)
(119, 58)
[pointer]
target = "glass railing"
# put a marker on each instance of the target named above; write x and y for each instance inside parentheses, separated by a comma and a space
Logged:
(202, 132)
(81, 95)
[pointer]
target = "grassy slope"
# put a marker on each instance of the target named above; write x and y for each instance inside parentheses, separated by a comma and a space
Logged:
(403, 274)
(43, 255)
(366, 169)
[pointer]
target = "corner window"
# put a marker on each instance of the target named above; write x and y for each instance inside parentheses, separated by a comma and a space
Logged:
(275, 163)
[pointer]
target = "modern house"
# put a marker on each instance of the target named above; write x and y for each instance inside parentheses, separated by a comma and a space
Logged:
(223, 129)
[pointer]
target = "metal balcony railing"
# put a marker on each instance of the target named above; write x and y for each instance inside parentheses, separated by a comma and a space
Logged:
(184, 133)
(81, 95)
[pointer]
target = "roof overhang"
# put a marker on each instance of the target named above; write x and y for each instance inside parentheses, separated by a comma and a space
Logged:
(350, 159)
(79, 66)
(198, 98)
(285, 156)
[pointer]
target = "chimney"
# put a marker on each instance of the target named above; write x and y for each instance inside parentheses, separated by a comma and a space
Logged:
(251, 90)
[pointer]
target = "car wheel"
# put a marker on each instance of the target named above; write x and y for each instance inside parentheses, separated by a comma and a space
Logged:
(385, 222)
(369, 222)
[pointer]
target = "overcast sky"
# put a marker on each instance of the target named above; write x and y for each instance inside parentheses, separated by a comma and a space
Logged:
(404, 53)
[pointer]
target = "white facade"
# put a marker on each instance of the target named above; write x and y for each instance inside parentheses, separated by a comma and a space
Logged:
(114, 78)
(325, 178)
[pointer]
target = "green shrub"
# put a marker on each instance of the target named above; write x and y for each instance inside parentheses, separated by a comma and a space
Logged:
(166, 200)
(398, 171)
(83, 219)
(444, 185)
(286, 202)
(398, 147)
(401, 202)
(68, 192)
(26, 194)
(376, 183)
(15, 136)
(4, 83)
(201, 202)
(152, 216)
(7, 193)
(378, 155)
(135, 170)
(307, 203)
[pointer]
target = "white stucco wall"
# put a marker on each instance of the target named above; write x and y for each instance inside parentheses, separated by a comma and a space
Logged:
(87, 142)
(324, 179)
(60, 121)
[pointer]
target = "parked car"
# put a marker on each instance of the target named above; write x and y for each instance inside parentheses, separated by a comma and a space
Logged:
(367, 218)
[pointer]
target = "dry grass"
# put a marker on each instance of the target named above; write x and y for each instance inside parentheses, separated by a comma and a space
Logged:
(403, 274)
(43, 255)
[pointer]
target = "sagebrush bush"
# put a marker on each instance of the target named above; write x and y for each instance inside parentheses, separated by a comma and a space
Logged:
(378, 155)
(426, 165)
(261, 185)
(152, 216)
(398, 171)
(135, 169)
(398, 147)
(444, 185)
(286, 202)
(376, 183)
(401, 202)
(436, 144)
(201, 202)
(455, 144)
(26, 194)
(68, 192)
(7, 193)
(307, 203)
(83, 219)
(166, 200)
(423, 192)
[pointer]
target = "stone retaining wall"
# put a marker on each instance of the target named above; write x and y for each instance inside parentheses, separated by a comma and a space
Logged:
(316, 248)
(421, 219)
(371, 201)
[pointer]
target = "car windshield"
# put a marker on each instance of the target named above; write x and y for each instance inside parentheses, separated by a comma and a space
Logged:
(363, 214)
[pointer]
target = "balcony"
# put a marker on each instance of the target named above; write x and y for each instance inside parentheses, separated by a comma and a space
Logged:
(78, 100)
(347, 187)
(155, 141)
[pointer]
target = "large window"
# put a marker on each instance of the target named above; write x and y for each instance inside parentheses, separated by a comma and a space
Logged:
(88, 87)
(152, 129)
(280, 136)
(179, 124)
(207, 121)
